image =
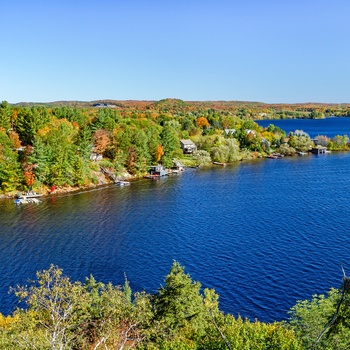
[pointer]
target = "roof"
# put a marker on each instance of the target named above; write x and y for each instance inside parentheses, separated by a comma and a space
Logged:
(187, 142)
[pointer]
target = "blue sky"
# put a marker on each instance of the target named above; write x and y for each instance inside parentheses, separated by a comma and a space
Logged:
(273, 51)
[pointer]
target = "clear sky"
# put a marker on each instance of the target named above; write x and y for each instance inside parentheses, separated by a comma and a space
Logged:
(271, 51)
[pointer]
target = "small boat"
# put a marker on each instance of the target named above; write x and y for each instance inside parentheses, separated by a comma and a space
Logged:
(219, 163)
(23, 200)
(122, 183)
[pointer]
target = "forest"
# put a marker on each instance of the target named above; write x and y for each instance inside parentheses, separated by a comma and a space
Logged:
(64, 144)
(55, 312)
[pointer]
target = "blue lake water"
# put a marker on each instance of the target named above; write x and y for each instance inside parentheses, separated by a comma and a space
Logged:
(262, 233)
(329, 126)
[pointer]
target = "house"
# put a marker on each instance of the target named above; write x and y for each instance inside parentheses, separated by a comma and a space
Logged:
(187, 146)
(230, 131)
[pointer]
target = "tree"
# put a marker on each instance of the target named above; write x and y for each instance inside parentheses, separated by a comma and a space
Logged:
(101, 140)
(202, 122)
(201, 157)
(59, 305)
(179, 302)
(5, 115)
(324, 321)
(10, 168)
(29, 121)
(170, 142)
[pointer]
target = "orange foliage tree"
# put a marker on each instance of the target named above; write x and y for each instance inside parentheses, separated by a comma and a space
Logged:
(102, 140)
(13, 136)
(159, 153)
(28, 174)
(202, 122)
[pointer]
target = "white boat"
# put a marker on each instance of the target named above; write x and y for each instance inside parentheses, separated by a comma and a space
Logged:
(24, 200)
(122, 183)
(28, 197)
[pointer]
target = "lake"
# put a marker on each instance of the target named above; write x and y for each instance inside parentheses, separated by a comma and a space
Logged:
(329, 126)
(262, 233)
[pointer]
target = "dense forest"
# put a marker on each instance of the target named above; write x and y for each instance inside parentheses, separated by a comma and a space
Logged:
(58, 313)
(64, 144)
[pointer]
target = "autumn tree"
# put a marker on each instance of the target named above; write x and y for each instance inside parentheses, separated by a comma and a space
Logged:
(202, 122)
(159, 152)
(14, 137)
(101, 140)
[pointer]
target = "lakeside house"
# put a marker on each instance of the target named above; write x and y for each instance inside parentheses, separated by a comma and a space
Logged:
(158, 170)
(188, 146)
(319, 150)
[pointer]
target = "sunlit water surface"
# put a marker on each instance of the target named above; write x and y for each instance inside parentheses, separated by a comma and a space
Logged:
(262, 233)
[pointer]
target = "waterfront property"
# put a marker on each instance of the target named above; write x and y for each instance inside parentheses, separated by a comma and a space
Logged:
(156, 171)
(187, 146)
(319, 150)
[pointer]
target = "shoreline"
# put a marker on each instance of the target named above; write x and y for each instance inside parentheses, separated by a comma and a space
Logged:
(105, 182)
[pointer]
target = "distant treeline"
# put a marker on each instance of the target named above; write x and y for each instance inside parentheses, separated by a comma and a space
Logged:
(63, 314)
(253, 110)
(64, 144)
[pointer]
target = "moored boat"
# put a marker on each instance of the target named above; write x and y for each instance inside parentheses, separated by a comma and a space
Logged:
(122, 183)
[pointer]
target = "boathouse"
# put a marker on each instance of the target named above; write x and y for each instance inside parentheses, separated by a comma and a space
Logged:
(158, 170)
(319, 150)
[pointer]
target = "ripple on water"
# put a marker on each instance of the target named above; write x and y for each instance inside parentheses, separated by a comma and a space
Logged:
(263, 234)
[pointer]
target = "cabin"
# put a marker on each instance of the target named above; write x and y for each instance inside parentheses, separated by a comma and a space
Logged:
(158, 170)
(187, 146)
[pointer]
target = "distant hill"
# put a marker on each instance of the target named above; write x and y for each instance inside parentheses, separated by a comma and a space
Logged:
(173, 104)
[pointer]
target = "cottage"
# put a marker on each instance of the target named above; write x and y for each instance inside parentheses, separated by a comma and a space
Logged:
(158, 170)
(187, 146)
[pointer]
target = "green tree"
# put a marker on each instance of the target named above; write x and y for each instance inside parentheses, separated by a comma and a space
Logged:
(179, 303)
(170, 142)
(324, 321)
(29, 121)
(10, 168)
(5, 115)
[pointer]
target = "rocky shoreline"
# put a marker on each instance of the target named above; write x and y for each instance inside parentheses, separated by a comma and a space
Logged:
(102, 181)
